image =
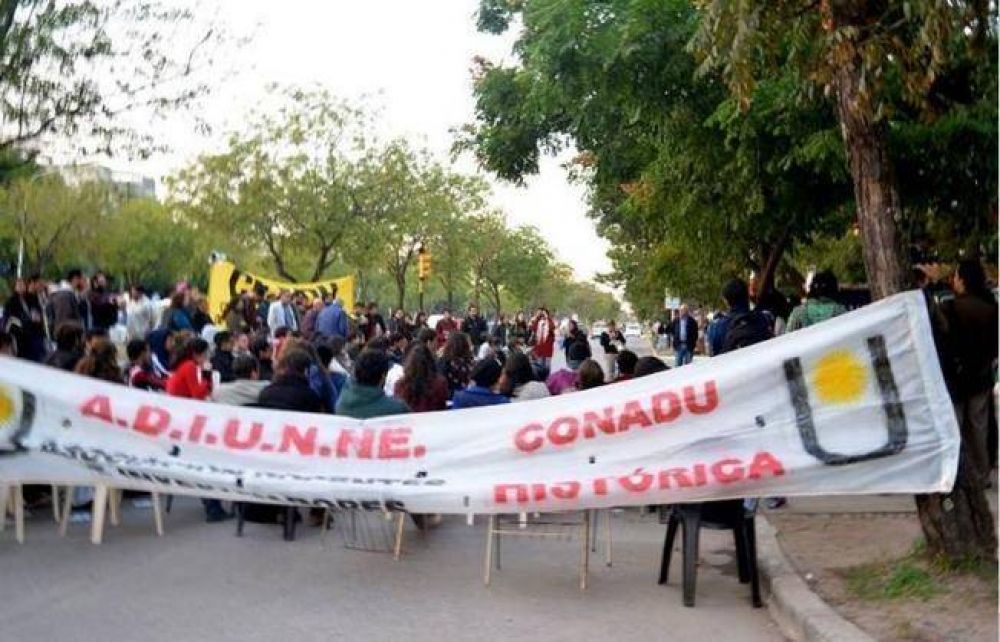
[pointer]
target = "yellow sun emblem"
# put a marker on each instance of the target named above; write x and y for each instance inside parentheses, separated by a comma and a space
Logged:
(839, 377)
(6, 406)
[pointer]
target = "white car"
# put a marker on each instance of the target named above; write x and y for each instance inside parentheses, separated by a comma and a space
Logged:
(597, 329)
(633, 330)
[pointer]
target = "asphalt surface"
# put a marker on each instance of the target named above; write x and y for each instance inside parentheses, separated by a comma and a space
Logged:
(200, 582)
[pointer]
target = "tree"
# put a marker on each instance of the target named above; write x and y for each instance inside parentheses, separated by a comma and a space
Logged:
(291, 186)
(71, 69)
(140, 242)
(54, 218)
(617, 80)
(872, 58)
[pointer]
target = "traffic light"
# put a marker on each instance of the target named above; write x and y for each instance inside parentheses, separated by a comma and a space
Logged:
(424, 265)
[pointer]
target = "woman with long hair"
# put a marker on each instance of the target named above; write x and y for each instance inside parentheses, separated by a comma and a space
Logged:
(519, 381)
(101, 362)
(456, 362)
(191, 375)
(590, 375)
(422, 387)
(519, 329)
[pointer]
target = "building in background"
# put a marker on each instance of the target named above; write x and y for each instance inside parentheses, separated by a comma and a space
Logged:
(127, 184)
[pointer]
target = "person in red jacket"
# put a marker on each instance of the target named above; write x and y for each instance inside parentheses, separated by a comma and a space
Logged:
(190, 376)
(543, 335)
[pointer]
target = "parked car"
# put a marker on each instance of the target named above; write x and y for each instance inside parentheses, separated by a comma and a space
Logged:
(633, 330)
(597, 329)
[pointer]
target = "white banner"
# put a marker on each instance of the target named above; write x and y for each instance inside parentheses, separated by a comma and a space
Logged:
(853, 405)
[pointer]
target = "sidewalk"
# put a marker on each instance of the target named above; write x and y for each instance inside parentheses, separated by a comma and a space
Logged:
(857, 553)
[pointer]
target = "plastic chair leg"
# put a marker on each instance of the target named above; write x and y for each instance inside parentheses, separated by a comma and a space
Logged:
(291, 513)
(240, 519)
(751, 540)
(739, 538)
(668, 546)
(692, 526)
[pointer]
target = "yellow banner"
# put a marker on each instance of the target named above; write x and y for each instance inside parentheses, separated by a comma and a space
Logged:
(225, 283)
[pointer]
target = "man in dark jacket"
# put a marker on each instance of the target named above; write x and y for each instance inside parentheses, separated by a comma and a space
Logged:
(222, 360)
(476, 327)
(365, 396)
(684, 330)
(71, 304)
(971, 339)
(290, 389)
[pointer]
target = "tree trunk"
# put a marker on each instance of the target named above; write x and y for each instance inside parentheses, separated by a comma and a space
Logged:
(875, 193)
(771, 263)
(400, 290)
(958, 524)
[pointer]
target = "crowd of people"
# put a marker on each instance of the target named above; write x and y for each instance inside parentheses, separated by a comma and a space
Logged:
(290, 353)
(286, 352)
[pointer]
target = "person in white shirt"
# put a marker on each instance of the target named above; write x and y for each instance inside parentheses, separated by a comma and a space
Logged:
(140, 314)
(282, 314)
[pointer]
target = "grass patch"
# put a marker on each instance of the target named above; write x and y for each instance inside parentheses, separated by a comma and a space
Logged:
(905, 579)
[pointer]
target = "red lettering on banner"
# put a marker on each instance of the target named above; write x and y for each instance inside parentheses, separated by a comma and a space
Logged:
(666, 407)
(701, 407)
(679, 477)
(633, 415)
(660, 408)
(566, 435)
(727, 471)
(605, 422)
(98, 407)
(362, 445)
(700, 478)
(151, 420)
(527, 439)
(393, 443)
(501, 493)
(305, 444)
(231, 437)
(197, 428)
(763, 463)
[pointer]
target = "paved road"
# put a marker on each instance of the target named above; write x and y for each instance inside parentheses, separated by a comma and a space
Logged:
(199, 582)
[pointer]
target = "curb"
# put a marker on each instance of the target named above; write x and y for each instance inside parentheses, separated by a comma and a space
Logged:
(799, 612)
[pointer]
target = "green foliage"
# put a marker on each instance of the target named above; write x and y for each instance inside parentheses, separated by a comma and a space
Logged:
(902, 580)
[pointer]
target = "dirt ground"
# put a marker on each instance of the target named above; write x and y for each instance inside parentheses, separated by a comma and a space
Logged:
(833, 551)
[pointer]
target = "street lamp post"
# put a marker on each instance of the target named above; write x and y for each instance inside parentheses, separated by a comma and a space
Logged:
(24, 218)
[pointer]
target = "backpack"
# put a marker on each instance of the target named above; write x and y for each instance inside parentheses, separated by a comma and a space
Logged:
(746, 329)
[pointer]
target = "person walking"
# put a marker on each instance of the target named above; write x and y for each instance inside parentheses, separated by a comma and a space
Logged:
(612, 341)
(684, 330)
(820, 303)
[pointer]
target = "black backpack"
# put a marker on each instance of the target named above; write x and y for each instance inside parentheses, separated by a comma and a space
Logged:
(746, 329)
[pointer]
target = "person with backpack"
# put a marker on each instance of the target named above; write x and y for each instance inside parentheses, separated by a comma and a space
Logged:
(741, 326)
(820, 303)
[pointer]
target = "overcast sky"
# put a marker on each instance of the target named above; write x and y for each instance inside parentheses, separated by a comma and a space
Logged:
(416, 56)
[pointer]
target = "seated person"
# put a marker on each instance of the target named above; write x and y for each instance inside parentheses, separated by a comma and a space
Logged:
(365, 396)
(482, 389)
(246, 385)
